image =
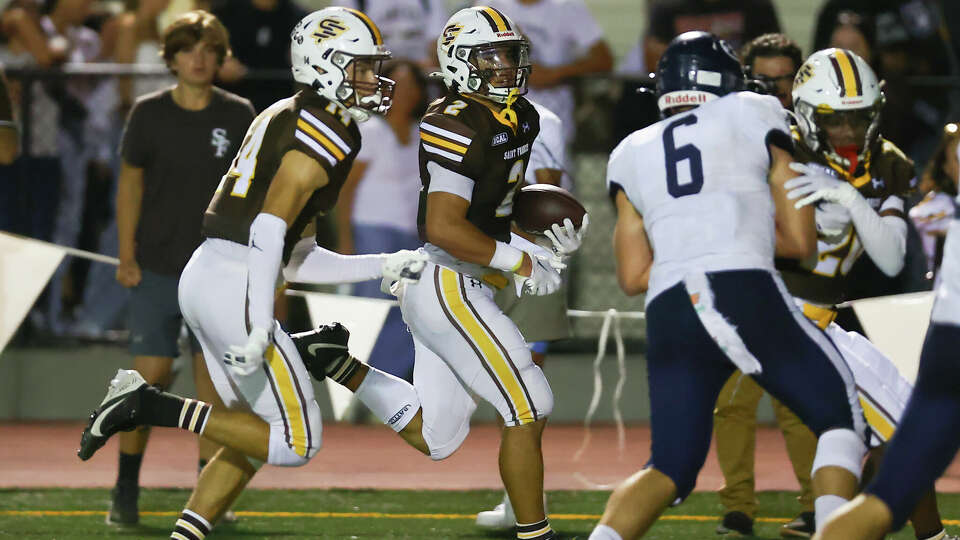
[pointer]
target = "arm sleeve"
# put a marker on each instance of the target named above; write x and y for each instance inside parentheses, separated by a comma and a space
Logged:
(263, 268)
(134, 149)
(884, 238)
(449, 181)
(310, 263)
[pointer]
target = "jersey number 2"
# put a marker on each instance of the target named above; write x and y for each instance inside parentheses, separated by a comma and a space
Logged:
(675, 155)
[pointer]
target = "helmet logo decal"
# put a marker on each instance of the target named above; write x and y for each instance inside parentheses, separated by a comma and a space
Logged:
(806, 71)
(450, 33)
(328, 28)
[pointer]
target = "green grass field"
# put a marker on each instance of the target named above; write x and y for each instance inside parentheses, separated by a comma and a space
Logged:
(349, 514)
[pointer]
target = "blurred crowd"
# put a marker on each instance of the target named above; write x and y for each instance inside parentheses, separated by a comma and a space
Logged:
(62, 187)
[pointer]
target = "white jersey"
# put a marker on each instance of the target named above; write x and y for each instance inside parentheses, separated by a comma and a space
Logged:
(946, 307)
(699, 179)
(547, 151)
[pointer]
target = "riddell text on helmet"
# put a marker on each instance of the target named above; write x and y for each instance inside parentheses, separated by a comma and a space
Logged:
(684, 99)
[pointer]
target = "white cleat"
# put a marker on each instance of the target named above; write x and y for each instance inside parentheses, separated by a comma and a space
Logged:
(501, 518)
(116, 412)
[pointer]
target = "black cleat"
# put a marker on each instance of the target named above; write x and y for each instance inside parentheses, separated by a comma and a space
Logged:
(324, 349)
(123, 506)
(736, 524)
(117, 412)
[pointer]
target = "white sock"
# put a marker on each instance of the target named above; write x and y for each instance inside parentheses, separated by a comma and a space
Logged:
(602, 532)
(392, 399)
(826, 505)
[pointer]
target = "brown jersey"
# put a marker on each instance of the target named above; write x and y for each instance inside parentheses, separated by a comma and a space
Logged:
(305, 122)
(884, 179)
(467, 137)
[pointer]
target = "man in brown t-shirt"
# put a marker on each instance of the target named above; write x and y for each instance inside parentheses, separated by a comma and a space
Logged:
(176, 145)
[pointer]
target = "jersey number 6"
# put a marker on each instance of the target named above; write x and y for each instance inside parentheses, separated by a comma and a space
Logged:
(673, 156)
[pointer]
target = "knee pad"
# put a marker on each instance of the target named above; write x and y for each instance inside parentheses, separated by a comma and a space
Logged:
(392, 399)
(840, 448)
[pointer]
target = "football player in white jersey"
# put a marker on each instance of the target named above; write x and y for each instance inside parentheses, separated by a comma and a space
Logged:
(290, 167)
(702, 208)
(929, 433)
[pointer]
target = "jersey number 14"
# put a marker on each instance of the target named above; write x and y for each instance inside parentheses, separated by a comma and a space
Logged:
(674, 156)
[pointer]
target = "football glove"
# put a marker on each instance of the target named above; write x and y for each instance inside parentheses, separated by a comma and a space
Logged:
(832, 218)
(323, 349)
(404, 264)
(817, 183)
(544, 278)
(245, 359)
(567, 239)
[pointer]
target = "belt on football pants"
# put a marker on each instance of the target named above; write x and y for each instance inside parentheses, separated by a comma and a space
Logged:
(821, 316)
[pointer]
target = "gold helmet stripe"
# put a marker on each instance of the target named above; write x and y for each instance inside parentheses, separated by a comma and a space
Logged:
(497, 21)
(848, 72)
(377, 38)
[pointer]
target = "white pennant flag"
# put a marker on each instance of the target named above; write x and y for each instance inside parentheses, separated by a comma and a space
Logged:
(25, 268)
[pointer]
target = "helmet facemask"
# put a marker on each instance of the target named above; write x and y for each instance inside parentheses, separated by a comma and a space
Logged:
(863, 125)
(363, 90)
(498, 71)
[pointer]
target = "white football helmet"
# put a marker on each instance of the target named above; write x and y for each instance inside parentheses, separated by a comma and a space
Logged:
(481, 51)
(837, 86)
(323, 45)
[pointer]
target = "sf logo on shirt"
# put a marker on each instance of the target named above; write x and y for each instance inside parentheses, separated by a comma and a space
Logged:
(220, 141)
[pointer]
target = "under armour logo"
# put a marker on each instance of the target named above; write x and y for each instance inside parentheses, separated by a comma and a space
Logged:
(220, 141)
(878, 183)
(476, 283)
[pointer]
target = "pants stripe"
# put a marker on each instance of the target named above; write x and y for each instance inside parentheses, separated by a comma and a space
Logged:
(531, 411)
(466, 337)
(879, 420)
(303, 401)
(452, 290)
(276, 395)
(292, 409)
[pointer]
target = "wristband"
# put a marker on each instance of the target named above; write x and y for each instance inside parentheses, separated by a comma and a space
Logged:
(506, 258)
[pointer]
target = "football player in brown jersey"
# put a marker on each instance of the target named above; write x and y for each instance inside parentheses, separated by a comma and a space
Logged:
(475, 145)
(838, 100)
(290, 167)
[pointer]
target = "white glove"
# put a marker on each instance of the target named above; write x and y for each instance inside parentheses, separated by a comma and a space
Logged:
(404, 264)
(245, 359)
(832, 218)
(544, 278)
(567, 239)
(817, 183)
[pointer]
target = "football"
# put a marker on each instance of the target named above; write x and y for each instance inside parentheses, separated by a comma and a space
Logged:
(539, 206)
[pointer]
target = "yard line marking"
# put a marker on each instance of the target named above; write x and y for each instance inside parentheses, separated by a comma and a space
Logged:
(374, 515)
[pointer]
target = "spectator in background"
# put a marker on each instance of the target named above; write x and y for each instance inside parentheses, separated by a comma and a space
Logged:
(855, 32)
(734, 21)
(260, 37)
(773, 59)
(933, 214)
(565, 42)
(377, 210)
(133, 37)
(29, 187)
(9, 132)
(176, 146)
(409, 27)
